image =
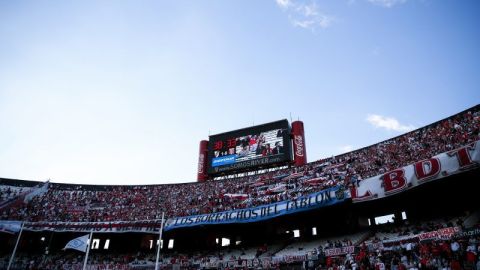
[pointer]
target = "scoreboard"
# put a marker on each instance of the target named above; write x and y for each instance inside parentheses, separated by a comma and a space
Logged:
(249, 148)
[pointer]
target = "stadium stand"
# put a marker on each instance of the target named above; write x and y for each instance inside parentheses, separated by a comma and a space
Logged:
(408, 253)
(8, 193)
(398, 245)
(106, 203)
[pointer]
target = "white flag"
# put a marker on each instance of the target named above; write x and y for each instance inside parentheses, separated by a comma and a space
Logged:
(79, 243)
(10, 226)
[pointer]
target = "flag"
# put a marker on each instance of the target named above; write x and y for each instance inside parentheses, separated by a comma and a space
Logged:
(276, 189)
(79, 243)
(10, 226)
(236, 196)
(315, 181)
(36, 191)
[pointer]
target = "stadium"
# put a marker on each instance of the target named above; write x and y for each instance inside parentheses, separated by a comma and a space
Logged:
(409, 202)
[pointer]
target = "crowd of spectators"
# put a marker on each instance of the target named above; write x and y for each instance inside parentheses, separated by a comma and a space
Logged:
(438, 254)
(391, 230)
(8, 193)
(130, 203)
(74, 261)
(412, 254)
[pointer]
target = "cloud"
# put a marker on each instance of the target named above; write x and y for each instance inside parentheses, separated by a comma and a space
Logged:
(284, 3)
(387, 3)
(388, 123)
(345, 148)
(305, 15)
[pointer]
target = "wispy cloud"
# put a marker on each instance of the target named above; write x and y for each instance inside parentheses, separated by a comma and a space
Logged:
(283, 3)
(388, 123)
(387, 3)
(305, 14)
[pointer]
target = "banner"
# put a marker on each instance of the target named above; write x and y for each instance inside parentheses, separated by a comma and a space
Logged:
(151, 226)
(9, 226)
(421, 172)
(329, 252)
(312, 201)
(98, 266)
(406, 238)
(242, 263)
(468, 233)
(289, 258)
(440, 234)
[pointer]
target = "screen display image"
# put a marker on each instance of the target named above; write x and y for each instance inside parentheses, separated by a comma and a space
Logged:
(250, 147)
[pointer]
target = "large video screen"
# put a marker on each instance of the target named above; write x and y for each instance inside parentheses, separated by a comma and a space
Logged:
(252, 147)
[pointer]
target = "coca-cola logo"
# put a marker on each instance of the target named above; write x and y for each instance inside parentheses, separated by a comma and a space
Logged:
(298, 140)
(201, 162)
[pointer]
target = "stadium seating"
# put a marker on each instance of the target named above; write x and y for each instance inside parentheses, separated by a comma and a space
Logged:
(406, 254)
(130, 203)
(8, 192)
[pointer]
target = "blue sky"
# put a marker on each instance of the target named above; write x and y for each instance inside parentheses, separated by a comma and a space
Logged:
(121, 92)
